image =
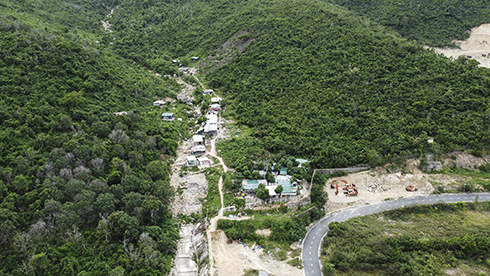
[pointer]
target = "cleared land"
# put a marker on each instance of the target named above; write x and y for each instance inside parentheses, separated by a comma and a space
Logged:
(389, 182)
(477, 46)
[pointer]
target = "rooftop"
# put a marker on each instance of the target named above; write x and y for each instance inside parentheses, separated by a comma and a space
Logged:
(283, 171)
(216, 100)
(191, 158)
(253, 184)
(285, 182)
(198, 138)
(167, 114)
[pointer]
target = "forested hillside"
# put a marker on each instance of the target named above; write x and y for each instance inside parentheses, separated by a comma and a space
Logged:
(348, 92)
(316, 81)
(81, 189)
(432, 22)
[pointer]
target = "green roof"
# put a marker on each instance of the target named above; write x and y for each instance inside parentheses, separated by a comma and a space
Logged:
(251, 184)
(286, 185)
(284, 171)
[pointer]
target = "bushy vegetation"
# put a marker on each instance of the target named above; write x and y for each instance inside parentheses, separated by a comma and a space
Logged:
(474, 180)
(433, 22)
(417, 240)
(286, 228)
(81, 189)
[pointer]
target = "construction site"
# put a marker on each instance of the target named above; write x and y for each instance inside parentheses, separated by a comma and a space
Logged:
(391, 182)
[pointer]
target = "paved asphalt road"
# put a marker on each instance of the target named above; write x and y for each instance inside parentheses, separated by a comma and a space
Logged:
(313, 240)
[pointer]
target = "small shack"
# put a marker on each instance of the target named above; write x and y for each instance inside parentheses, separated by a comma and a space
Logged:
(207, 91)
(283, 171)
(216, 100)
(168, 117)
(204, 162)
(191, 161)
(250, 185)
(198, 140)
(122, 113)
(194, 58)
(159, 103)
(196, 150)
(214, 107)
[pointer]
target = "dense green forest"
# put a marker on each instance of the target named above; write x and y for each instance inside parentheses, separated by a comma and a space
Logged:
(416, 240)
(82, 189)
(345, 92)
(432, 22)
(349, 92)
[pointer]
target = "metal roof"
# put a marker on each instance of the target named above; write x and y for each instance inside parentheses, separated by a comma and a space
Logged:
(197, 138)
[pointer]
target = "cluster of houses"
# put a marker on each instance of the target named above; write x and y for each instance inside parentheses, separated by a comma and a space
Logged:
(198, 148)
(282, 178)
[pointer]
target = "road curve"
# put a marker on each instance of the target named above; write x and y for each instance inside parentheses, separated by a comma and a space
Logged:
(314, 237)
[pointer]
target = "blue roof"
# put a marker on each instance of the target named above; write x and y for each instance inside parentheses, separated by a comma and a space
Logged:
(167, 114)
(284, 171)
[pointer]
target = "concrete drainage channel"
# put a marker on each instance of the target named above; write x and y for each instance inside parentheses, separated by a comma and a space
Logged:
(192, 251)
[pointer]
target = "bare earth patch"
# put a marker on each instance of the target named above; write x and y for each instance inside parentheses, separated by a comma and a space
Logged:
(477, 46)
(234, 258)
(263, 232)
(381, 184)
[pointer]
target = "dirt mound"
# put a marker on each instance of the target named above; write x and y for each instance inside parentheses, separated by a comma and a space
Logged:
(477, 46)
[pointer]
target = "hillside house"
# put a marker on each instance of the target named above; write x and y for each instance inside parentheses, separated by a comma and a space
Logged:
(197, 150)
(194, 58)
(214, 107)
(183, 69)
(250, 185)
(159, 103)
(283, 171)
(198, 140)
(289, 189)
(122, 113)
(211, 126)
(204, 162)
(207, 92)
(191, 161)
(216, 100)
(168, 117)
